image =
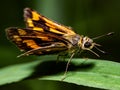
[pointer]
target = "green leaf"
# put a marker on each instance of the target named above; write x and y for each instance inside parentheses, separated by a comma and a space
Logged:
(88, 72)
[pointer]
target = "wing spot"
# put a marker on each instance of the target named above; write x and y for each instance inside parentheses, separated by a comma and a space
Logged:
(31, 43)
(45, 38)
(22, 32)
(38, 29)
(35, 15)
(17, 38)
(55, 31)
(50, 25)
(30, 22)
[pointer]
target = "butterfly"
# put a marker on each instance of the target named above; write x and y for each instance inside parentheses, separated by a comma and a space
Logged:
(43, 36)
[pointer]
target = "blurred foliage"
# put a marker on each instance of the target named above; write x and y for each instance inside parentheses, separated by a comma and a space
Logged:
(87, 17)
(87, 72)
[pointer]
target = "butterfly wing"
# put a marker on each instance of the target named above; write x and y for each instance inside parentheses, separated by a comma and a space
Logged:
(36, 21)
(42, 35)
(36, 42)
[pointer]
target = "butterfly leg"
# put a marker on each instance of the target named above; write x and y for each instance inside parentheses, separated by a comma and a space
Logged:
(37, 49)
(67, 65)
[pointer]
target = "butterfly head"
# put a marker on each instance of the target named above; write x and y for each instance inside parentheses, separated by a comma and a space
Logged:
(87, 43)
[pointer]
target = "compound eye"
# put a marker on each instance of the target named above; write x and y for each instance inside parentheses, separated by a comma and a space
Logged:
(87, 44)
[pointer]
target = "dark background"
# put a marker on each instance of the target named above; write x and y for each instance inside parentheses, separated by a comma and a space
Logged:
(86, 17)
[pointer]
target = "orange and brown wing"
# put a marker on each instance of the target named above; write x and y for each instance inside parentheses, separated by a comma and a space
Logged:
(41, 36)
(34, 41)
(38, 22)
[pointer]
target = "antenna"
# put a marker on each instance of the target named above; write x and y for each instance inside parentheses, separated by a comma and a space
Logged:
(108, 34)
(100, 50)
(94, 52)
